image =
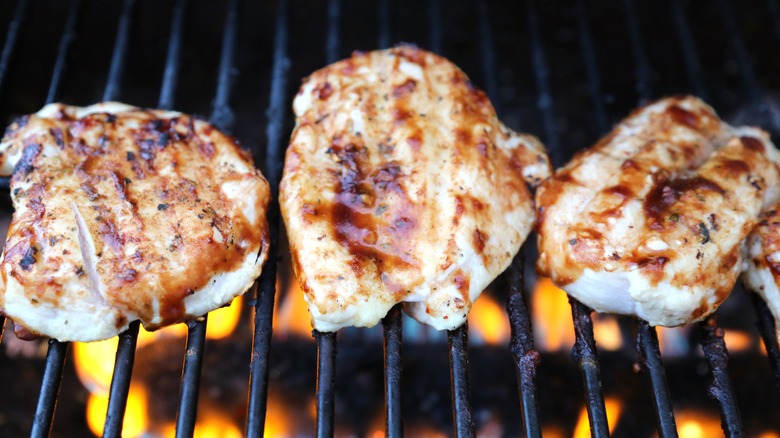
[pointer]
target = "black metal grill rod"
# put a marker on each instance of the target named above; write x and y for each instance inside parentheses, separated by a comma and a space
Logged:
(118, 58)
(393, 339)
(11, 38)
(222, 114)
(746, 73)
(542, 75)
(333, 39)
(522, 347)
(57, 352)
(173, 57)
(2, 327)
(384, 17)
(766, 325)
(50, 387)
(434, 24)
(120, 382)
(459, 379)
(68, 35)
(125, 352)
(584, 353)
(721, 388)
(264, 297)
(488, 52)
(650, 355)
(190, 377)
(591, 67)
(643, 87)
(689, 52)
(326, 382)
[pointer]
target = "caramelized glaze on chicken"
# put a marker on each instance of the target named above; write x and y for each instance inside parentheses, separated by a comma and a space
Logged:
(401, 185)
(125, 214)
(651, 221)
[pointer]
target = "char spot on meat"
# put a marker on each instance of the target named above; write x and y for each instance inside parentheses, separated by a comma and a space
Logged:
(25, 165)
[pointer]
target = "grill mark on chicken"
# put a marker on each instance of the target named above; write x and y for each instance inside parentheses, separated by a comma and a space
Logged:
(142, 262)
(667, 192)
(398, 175)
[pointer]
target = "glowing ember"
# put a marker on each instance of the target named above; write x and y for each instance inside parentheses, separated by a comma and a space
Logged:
(224, 320)
(135, 421)
(489, 321)
(614, 409)
(738, 341)
(553, 326)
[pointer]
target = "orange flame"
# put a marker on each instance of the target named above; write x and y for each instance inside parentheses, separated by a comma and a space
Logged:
(614, 409)
(695, 424)
(291, 315)
(606, 331)
(553, 326)
(135, 421)
(738, 341)
(489, 320)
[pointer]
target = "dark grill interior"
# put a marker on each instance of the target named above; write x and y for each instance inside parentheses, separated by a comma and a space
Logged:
(564, 71)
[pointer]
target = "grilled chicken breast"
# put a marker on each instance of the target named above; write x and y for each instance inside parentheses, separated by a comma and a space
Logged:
(401, 185)
(125, 214)
(762, 267)
(651, 221)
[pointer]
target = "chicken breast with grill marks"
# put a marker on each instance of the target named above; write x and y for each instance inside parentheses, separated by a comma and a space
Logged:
(762, 266)
(125, 214)
(652, 220)
(401, 185)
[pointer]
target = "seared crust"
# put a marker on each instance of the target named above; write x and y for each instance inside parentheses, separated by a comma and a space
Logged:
(401, 185)
(651, 221)
(125, 214)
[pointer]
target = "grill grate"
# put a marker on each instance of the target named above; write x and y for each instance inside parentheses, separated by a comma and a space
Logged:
(521, 345)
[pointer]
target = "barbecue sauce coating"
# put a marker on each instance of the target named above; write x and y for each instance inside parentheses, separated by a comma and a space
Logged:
(660, 206)
(398, 182)
(132, 212)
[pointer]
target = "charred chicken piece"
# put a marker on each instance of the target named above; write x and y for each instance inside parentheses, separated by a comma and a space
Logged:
(762, 267)
(651, 221)
(125, 214)
(401, 185)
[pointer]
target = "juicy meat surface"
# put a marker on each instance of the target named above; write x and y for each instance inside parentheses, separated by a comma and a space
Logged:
(762, 267)
(401, 185)
(651, 221)
(124, 214)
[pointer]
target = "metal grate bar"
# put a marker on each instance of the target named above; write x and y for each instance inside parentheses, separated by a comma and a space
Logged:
(264, 300)
(766, 325)
(522, 347)
(50, 387)
(393, 339)
(591, 67)
(125, 352)
(333, 40)
(383, 13)
(488, 52)
(11, 38)
(434, 24)
(642, 71)
(459, 379)
(721, 388)
(68, 35)
(326, 382)
(689, 52)
(190, 377)
(172, 60)
(584, 353)
(221, 114)
(117, 68)
(57, 352)
(746, 74)
(120, 382)
(651, 359)
(2, 327)
(542, 75)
